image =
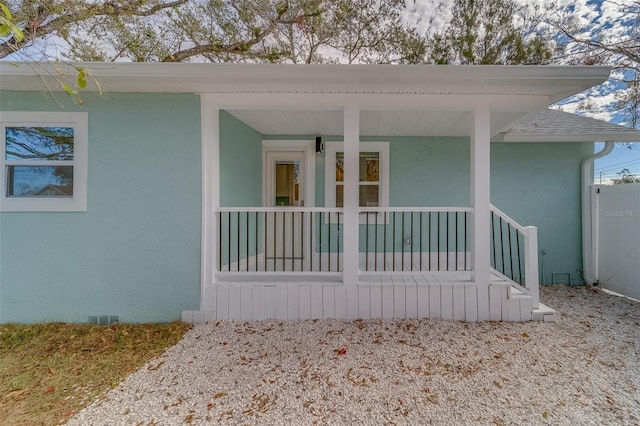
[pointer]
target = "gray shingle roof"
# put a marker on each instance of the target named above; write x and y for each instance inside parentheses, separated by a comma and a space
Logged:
(557, 126)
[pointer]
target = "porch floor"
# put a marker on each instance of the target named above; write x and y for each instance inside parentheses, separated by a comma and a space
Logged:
(366, 278)
(406, 268)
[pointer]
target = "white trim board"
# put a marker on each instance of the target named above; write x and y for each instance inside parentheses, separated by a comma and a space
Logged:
(308, 147)
(79, 121)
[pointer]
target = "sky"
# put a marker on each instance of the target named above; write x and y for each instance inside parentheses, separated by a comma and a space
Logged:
(594, 17)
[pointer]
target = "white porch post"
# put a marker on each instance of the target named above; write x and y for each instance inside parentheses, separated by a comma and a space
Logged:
(210, 133)
(351, 193)
(480, 201)
(531, 279)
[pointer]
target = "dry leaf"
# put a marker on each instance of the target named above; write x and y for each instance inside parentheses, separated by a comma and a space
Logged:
(154, 368)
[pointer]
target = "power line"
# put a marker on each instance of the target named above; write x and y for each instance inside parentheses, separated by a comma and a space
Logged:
(612, 166)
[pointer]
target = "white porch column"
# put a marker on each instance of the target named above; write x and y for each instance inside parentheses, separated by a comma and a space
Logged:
(531, 279)
(210, 134)
(351, 193)
(480, 201)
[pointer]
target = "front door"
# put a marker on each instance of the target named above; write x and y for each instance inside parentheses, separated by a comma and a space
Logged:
(285, 189)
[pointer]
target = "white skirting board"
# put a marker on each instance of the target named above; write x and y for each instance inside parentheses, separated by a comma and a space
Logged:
(304, 300)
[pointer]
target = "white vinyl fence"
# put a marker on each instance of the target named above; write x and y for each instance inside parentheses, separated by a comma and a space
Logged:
(617, 209)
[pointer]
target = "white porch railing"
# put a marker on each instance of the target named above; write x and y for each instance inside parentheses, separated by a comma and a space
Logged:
(414, 239)
(395, 240)
(277, 240)
(514, 253)
(309, 241)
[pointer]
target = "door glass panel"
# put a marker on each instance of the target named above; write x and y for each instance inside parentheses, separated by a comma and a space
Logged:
(287, 183)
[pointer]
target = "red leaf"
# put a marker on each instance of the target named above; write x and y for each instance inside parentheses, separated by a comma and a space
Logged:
(49, 390)
(342, 351)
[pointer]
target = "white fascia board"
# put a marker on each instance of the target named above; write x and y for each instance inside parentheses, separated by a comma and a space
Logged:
(555, 82)
(355, 73)
(382, 102)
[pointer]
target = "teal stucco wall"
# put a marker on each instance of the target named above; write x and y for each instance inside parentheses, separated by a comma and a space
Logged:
(539, 184)
(240, 163)
(135, 253)
(535, 183)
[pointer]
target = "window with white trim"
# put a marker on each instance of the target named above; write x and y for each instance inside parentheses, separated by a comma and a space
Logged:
(43, 159)
(373, 174)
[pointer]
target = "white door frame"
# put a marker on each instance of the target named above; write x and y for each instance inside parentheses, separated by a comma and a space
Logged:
(269, 174)
(308, 147)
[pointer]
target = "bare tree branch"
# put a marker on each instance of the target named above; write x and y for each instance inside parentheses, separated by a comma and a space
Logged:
(44, 24)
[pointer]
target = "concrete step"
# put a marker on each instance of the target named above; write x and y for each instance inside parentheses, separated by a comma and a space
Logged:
(544, 313)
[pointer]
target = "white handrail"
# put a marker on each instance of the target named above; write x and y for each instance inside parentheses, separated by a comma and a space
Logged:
(341, 210)
(507, 219)
(278, 209)
(415, 209)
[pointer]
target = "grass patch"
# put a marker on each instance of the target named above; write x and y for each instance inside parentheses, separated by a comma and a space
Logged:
(50, 371)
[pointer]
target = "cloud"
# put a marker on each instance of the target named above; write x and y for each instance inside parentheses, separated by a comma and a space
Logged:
(429, 16)
(608, 21)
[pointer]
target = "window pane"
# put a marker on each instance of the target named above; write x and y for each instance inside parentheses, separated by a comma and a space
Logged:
(39, 143)
(339, 196)
(369, 196)
(369, 166)
(39, 181)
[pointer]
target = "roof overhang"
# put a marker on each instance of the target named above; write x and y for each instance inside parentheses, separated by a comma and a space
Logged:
(558, 126)
(395, 100)
(555, 82)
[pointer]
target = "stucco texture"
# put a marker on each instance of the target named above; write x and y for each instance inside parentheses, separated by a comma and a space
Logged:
(135, 252)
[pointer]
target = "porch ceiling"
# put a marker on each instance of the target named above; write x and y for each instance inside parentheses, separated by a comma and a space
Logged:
(372, 123)
(544, 126)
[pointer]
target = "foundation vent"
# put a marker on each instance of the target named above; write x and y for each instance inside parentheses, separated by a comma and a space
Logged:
(103, 319)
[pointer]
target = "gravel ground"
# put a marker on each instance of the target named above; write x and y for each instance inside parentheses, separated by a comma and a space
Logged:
(585, 369)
